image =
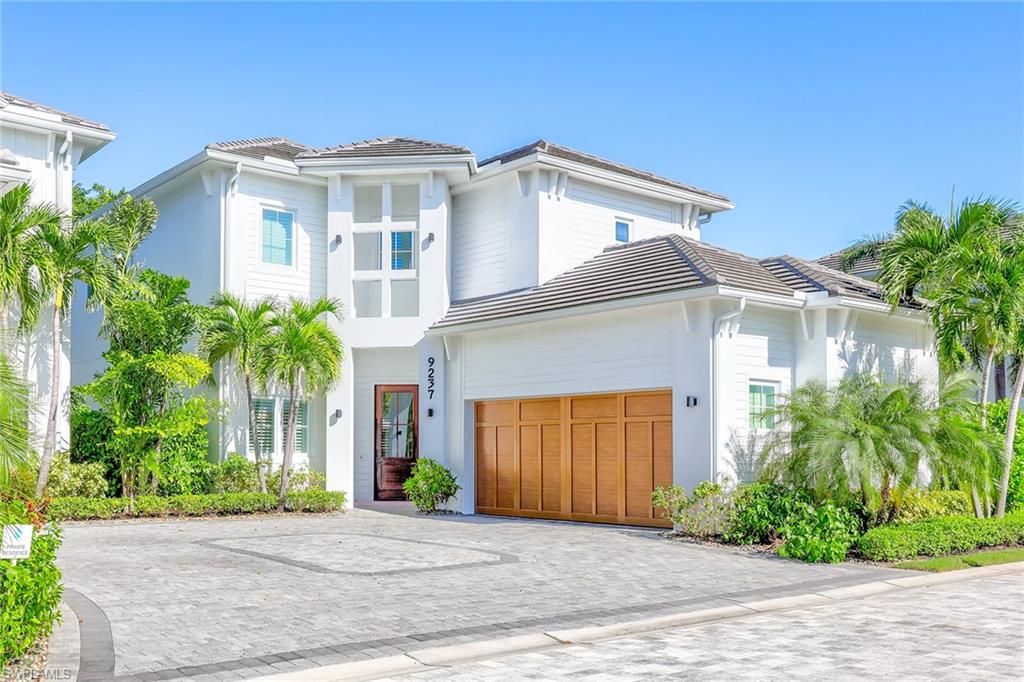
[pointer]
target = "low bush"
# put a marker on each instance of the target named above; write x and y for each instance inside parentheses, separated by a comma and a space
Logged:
(430, 485)
(704, 514)
(81, 508)
(30, 590)
(917, 505)
(760, 511)
(819, 534)
(938, 536)
(86, 479)
(235, 474)
(184, 469)
(1015, 490)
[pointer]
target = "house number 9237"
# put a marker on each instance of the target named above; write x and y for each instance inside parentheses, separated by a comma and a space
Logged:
(430, 377)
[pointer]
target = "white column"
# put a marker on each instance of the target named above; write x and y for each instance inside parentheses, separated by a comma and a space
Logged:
(692, 441)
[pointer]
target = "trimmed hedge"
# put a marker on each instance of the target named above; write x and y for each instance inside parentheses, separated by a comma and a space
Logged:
(30, 590)
(81, 508)
(918, 505)
(938, 536)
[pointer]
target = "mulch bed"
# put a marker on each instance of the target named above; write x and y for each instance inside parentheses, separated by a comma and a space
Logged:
(31, 666)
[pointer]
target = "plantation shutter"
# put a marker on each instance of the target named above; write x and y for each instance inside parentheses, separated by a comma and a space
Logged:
(264, 408)
(301, 425)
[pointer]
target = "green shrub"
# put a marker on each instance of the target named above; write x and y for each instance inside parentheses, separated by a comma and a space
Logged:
(918, 505)
(938, 536)
(86, 479)
(62, 508)
(705, 514)
(669, 500)
(184, 469)
(430, 485)
(92, 431)
(760, 511)
(706, 489)
(235, 474)
(79, 508)
(30, 590)
(1015, 490)
(298, 480)
(315, 500)
(819, 534)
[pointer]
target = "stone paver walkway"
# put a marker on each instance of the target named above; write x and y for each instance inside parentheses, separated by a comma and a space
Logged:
(960, 631)
(237, 598)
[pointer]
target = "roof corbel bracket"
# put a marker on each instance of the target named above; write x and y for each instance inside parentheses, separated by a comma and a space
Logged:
(730, 319)
(51, 143)
(561, 184)
(449, 350)
(337, 186)
(684, 311)
(808, 332)
(430, 184)
(525, 177)
(208, 184)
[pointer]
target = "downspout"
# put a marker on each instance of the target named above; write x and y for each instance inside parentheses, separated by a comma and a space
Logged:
(727, 316)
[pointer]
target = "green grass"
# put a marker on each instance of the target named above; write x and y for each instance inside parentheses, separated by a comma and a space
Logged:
(957, 562)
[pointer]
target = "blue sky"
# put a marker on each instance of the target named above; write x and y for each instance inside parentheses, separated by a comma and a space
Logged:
(817, 120)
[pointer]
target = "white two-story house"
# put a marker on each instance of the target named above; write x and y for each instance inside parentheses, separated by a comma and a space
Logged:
(43, 146)
(546, 323)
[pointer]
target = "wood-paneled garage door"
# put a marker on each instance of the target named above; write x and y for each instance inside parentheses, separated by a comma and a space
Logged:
(581, 458)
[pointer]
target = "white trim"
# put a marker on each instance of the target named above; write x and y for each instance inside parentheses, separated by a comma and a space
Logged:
(294, 256)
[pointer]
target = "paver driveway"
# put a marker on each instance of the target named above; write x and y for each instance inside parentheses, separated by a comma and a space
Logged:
(235, 598)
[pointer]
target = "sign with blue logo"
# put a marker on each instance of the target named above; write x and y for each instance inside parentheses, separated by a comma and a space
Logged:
(17, 542)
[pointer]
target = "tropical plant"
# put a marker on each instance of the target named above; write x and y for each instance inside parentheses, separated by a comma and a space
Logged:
(303, 355)
(430, 485)
(85, 200)
(15, 451)
(70, 254)
(235, 331)
(815, 534)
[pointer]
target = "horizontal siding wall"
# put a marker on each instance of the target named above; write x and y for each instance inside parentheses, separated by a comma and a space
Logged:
(593, 210)
(307, 278)
(373, 366)
(591, 354)
(480, 234)
(885, 346)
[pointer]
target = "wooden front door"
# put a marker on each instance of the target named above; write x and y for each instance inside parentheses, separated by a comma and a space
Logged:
(396, 438)
(580, 458)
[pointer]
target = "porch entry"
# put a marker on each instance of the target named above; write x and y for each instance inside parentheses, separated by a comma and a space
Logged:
(396, 438)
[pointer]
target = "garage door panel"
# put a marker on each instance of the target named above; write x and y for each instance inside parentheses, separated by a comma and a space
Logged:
(584, 458)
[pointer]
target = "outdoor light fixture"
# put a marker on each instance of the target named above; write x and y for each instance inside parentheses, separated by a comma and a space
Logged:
(691, 401)
(337, 414)
(337, 240)
(430, 238)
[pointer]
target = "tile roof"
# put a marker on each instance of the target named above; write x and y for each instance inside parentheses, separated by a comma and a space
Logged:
(386, 146)
(259, 147)
(595, 162)
(660, 265)
(7, 99)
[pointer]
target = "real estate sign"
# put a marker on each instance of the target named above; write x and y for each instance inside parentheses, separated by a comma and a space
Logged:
(17, 542)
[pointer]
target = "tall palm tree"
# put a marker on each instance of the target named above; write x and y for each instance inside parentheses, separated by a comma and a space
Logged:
(20, 258)
(72, 254)
(235, 331)
(304, 354)
(15, 451)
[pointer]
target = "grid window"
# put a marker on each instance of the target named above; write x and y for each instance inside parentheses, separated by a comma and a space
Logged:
(621, 231)
(403, 250)
(301, 425)
(405, 298)
(367, 297)
(762, 406)
(369, 204)
(277, 237)
(264, 408)
(405, 202)
(367, 250)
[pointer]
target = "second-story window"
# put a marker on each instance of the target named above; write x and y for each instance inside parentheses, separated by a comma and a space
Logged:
(385, 250)
(403, 250)
(622, 230)
(278, 227)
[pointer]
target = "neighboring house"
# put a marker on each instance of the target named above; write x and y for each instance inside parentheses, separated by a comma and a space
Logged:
(43, 146)
(545, 322)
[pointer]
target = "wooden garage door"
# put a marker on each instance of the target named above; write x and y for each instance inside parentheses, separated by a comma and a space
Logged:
(582, 458)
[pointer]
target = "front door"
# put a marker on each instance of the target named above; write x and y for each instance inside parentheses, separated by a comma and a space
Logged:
(395, 439)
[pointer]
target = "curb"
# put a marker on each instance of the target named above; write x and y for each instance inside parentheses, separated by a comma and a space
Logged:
(441, 656)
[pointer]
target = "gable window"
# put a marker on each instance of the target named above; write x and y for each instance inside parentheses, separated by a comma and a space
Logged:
(301, 426)
(403, 250)
(264, 409)
(622, 230)
(277, 236)
(761, 405)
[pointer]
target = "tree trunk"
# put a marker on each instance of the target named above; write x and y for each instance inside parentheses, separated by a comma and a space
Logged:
(986, 373)
(1011, 434)
(289, 444)
(1000, 372)
(51, 422)
(256, 448)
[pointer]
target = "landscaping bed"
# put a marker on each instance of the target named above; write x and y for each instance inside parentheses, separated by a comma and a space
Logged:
(216, 504)
(30, 666)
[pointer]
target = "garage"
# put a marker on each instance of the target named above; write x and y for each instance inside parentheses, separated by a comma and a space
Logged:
(589, 458)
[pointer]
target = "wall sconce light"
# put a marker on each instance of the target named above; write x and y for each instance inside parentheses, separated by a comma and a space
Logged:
(691, 401)
(430, 238)
(337, 414)
(337, 240)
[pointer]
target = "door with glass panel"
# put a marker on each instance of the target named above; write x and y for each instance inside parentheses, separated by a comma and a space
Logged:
(395, 440)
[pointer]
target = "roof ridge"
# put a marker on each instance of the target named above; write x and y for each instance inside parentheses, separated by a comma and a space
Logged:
(782, 260)
(694, 258)
(251, 141)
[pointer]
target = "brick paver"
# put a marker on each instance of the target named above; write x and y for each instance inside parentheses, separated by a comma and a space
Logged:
(223, 599)
(959, 631)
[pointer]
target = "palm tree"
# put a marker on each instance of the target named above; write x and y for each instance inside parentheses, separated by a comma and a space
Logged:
(15, 451)
(70, 255)
(236, 331)
(304, 354)
(20, 257)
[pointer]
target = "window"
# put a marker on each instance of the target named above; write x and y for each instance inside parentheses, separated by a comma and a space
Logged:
(367, 250)
(301, 425)
(405, 202)
(621, 231)
(403, 250)
(762, 402)
(277, 237)
(405, 297)
(367, 297)
(264, 408)
(369, 204)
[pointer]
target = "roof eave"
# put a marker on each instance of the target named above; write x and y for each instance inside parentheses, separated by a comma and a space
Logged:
(377, 163)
